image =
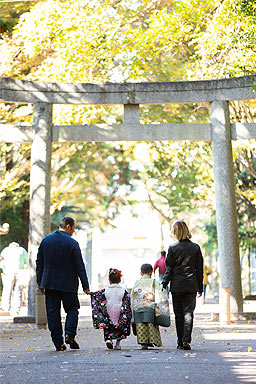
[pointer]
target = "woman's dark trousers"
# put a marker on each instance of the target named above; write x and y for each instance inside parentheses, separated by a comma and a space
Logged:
(53, 300)
(184, 304)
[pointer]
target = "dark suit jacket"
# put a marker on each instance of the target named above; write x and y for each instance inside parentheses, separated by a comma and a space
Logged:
(59, 263)
(184, 267)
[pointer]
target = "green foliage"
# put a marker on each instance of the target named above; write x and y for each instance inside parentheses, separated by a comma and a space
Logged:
(126, 40)
(14, 191)
(10, 13)
(96, 177)
(226, 48)
(210, 228)
(245, 172)
(18, 226)
(14, 175)
(108, 40)
(174, 113)
(248, 8)
(177, 176)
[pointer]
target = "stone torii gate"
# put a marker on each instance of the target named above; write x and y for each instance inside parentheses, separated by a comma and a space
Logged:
(220, 131)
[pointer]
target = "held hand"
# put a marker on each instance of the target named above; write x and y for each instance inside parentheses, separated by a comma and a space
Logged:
(199, 294)
(41, 290)
(87, 291)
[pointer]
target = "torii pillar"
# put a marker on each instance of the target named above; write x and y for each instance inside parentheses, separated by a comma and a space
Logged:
(40, 189)
(227, 228)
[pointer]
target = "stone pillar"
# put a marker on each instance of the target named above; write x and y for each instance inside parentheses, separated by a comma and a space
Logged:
(40, 188)
(131, 114)
(88, 253)
(227, 228)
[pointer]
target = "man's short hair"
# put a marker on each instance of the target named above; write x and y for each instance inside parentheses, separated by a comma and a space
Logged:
(146, 268)
(66, 221)
(163, 253)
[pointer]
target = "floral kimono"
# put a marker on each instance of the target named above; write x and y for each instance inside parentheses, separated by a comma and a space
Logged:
(144, 295)
(101, 318)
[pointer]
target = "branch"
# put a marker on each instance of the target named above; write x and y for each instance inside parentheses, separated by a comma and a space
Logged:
(247, 111)
(156, 208)
(249, 167)
(248, 203)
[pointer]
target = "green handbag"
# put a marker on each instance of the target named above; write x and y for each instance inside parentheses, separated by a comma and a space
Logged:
(163, 320)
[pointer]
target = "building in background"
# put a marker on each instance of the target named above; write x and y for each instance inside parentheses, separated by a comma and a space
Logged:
(133, 242)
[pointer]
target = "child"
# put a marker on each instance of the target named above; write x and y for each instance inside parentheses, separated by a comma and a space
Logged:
(143, 303)
(111, 310)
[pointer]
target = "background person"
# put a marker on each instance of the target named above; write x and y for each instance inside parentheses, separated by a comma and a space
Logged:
(184, 265)
(207, 272)
(14, 259)
(160, 265)
(4, 229)
(59, 264)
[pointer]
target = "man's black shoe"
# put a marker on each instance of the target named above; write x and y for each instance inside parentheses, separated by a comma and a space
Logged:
(186, 346)
(61, 348)
(71, 341)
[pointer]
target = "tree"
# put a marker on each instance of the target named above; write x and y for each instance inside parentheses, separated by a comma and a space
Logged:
(14, 191)
(10, 13)
(147, 40)
(226, 48)
(95, 177)
(177, 177)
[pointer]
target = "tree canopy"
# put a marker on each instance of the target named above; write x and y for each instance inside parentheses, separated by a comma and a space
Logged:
(127, 40)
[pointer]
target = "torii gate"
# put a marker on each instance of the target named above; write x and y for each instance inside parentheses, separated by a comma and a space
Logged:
(42, 133)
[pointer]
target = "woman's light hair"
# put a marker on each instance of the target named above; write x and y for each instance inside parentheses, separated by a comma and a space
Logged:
(180, 231)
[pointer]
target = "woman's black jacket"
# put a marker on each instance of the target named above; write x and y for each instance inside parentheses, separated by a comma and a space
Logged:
(184, 267)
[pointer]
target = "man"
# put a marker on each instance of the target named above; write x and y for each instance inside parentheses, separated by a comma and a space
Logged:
(59, 264)
(14, 258)
(160, 263)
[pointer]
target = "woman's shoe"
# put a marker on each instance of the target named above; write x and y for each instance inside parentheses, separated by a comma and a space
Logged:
(109, 344)
(118, 347)
(180, 346)
(186, 346)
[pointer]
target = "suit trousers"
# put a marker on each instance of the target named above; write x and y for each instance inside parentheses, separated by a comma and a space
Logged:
(53, 300)
(184, 304)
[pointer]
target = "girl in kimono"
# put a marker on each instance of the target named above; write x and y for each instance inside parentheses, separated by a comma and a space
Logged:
(143, 303)
(111, 310)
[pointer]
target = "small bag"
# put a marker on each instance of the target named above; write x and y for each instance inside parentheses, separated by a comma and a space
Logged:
(144, 315)
(163, 320)
(162, 311)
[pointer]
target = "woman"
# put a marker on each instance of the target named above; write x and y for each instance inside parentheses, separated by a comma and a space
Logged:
(184, 271)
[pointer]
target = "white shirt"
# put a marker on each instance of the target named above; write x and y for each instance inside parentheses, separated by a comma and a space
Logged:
(11, 259)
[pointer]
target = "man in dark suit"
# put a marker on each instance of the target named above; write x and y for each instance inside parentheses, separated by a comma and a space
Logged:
(59, 264)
